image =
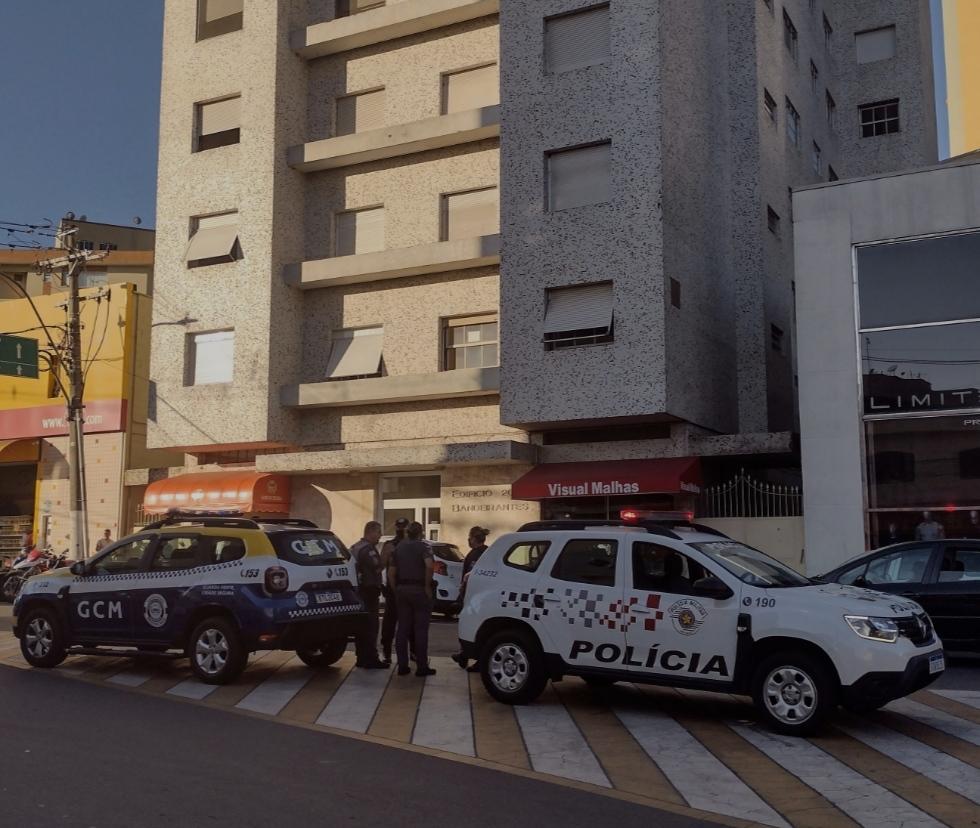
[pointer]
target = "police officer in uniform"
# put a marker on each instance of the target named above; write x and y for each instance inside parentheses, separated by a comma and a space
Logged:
(390, 620)
(477, 541)
(367, 561)
(410, 575)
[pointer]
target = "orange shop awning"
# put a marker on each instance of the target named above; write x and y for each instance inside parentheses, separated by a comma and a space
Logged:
(672, 475)
(243, 491)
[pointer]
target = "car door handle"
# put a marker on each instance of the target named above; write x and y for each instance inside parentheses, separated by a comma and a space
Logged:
(552, 599)
(641, 610)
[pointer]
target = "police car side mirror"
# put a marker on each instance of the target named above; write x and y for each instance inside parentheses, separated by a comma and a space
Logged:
(712, 587)
(78, 568)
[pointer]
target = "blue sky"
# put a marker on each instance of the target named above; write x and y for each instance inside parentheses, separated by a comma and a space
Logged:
(80, 104)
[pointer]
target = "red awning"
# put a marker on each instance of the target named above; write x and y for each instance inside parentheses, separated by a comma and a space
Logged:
(616, 477)
(244, 491)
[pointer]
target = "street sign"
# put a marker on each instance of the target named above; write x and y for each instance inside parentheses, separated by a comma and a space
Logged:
(18, 356)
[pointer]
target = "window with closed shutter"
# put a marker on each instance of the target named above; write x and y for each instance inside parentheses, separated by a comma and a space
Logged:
(218, 17)
(349, 7)
(576, 40)
(355, 353)
(470, 89)
(211, 358)
(214, 240)
(875, 45)
(359, 231)
(360, 112)
(471, 214)
(579, 315)
(579, 176)
(219, 123)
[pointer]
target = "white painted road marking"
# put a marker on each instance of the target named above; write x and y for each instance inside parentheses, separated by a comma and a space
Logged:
(444, 719)
(273, 694)
(193, 688)
(864, 801)
(353, 705)
(970, 697)
(130, 678)
(939, 719)
(690, 767)
(555, 745)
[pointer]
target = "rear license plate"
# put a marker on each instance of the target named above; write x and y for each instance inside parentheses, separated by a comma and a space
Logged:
(937, 663)
(328, 597)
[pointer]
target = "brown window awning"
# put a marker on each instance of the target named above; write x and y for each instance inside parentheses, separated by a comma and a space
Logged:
(242, 491)
(673, 475)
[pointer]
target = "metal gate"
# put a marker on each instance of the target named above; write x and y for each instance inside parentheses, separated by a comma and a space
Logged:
(744, 496)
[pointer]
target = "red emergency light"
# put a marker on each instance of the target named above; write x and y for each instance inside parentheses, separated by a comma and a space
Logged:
(635, 515)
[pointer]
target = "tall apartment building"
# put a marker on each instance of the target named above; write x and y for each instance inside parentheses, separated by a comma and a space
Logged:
(345, 316)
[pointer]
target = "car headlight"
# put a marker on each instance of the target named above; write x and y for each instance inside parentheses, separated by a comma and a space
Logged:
(877, 629)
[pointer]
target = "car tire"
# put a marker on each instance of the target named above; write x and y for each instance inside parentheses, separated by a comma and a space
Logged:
(43, 642)
(794, 692)
(512, 667)
(324, 655)
(216, 651)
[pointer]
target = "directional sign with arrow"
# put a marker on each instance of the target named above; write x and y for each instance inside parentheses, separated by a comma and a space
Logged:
(18, 356)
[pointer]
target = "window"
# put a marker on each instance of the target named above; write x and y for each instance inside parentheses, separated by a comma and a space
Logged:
(360, 112)
(122, 559)
(580, 176)
(879, 118)
(790, 36)
(828, 33)
(776, 336)
(309, 548)
(227, 549)
(85, 244)
(960, 563)
(108, 246)
(468, 215)
(471, 342)
(969, 462)
(832, 174)
(345, 8)
(792, 123)
(907, 566)
(770, 105)
(470, 89)
(576, 40)
(527, 556)
(218, 17)
(814, 77)
(675, 292)
(211, 358)
(180, 552)
(816, 158)
(893, 466)
(587, 562)
(218, 123)
(359, 231)
(93, 277)
(581, 315)
(355, 353)
(772, 220)
(875, 44)
(214, 240)
(831, 111)
(850, 576)
(661, 569)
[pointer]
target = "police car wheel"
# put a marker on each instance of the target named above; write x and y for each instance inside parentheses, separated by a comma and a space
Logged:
(43, 641)
(794, 693)
(216, 652)
(512, 667)
(323, 655)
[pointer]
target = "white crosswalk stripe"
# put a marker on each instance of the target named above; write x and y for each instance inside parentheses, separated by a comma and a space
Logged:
(699, 777)
(866, 802)
(193, 688)
(130, 678)
(939, 719)
(273, 694)
(555, 745)
(444, 719)
(970, 697)
(940, 767)
(356, 700)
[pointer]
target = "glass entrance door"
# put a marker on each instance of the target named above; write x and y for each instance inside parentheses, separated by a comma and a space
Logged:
(414, 497)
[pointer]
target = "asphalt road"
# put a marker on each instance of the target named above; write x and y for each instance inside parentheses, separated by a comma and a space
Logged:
(77, 754)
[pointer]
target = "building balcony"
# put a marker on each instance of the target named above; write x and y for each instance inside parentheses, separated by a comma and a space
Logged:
(444, 385)
(386, 23)
(439, 257)
(394, 141)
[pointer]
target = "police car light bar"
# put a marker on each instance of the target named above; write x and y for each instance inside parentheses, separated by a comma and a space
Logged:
(634, 515)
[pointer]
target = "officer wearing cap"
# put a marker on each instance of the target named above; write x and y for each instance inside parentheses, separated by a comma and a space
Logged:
(477, 541)
(390, 621)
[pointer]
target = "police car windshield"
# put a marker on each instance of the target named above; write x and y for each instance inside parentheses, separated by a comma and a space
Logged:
(750, 565)
(309, 548)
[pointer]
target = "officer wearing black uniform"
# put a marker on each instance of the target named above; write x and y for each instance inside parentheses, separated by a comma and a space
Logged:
(477, 541)
(410, 574)
(367, 561)
(390, 620)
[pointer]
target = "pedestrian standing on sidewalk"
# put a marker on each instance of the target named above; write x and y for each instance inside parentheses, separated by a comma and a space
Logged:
(477, 541)
(410, 575)
(367, 561)
(390, 620)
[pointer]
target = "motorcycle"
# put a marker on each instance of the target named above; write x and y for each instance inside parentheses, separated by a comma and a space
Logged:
(27, 566)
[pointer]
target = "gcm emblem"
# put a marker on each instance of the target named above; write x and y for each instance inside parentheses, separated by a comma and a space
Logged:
(102, 610)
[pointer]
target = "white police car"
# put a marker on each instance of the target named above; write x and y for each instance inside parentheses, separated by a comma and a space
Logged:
(210, 588)
(682, 605)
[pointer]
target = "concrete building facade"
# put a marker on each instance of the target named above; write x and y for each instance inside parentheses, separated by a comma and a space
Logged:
(434, 246)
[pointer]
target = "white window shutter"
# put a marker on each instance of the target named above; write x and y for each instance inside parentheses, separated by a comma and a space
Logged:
(214, 357)
(220, 116)
(361, 112)
(214, 237)
(580, 176)
(468, 215)
(359, 231)
(471, 89)
(355, 353)
(573, 41)
(878, 44)
(579, 308)
(216, 9)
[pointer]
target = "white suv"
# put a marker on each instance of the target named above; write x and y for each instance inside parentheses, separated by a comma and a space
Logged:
(683, 605)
